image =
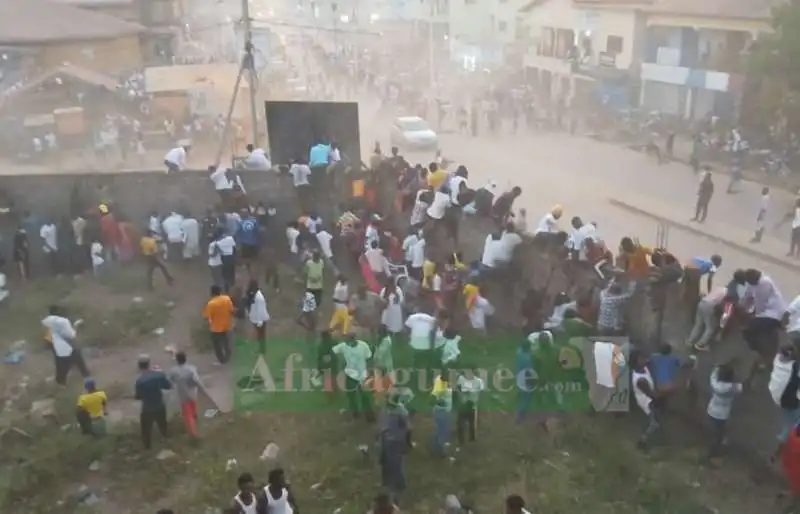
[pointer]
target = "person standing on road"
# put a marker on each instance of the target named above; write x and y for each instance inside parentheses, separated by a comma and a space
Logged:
(150, 387)
(219, 313)
(61, 335)
(761, 217)
(149, 247)
(705, 190)
(186, 380)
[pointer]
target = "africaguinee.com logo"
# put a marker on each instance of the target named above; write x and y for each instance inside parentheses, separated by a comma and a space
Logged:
(539, 375)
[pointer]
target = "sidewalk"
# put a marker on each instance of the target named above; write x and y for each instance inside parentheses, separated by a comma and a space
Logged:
(770, 249)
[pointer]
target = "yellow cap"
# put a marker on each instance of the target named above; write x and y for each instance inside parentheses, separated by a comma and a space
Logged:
(103, 208)
(557, 210)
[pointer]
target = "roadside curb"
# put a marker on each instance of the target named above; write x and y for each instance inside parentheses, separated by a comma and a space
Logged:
(701, 233)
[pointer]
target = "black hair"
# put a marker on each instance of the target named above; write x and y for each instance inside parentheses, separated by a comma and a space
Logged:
(180, 357)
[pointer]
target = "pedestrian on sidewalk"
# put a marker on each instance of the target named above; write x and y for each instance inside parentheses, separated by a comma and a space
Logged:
(705, 191)
(761, 217)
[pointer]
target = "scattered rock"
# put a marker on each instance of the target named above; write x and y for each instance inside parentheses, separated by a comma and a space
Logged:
(210, 413)
(86, 496)
(43, 408)
(338, 511)
(66, 428)
(50, 379)
(94, 466)
(137, 299)
(158, 332)
(171, 349)
(451, 503)
(14, 357)
(316, 486)
(271, 452)
(452, 459)
(77, 323)
(165, 454)
(170, 304)
(231, 464)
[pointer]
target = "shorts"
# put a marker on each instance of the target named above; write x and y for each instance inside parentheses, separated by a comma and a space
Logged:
(249, 252)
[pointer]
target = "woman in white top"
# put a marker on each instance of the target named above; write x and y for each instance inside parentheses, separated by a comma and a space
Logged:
(258, 314)
(279, 498)
(646, 395)
(392, 315)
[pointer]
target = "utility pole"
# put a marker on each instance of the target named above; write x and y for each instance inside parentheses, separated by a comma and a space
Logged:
(252, 77)
(431, 63)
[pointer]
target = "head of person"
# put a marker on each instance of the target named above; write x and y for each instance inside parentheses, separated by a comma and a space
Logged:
(739, 277)
(576, 222)
(764, 191)
(725, 372)
(361, 291)
(787, 352)
(315, 255)
(143, 362)
(186, 147)
(433, 167)
(557, 211)
(516, 191)
(350, 338)
(638, 360)
(395, 151)
(665, 349)
(626, 245)
(462, 171)
(514, 504)
(216, 290)
(752, 276)
(89, 385)
(716, 260)
(250, 147)
(55, 310)
(180, 358)
(341, 279)
(246, 483)
(277, 478)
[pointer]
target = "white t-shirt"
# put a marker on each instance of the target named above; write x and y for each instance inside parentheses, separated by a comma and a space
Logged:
(418, 254)
(220, 179)
(300, 174)
(226, 245)
(313, 224)
(49, 234)
(258, 160)
(579, 238)
(97, 254)
(794, 315)
(470, 386)
(492, 248)
(324, 238)
(61, 332)
(455, 187)
(421, 326)
(418, 212)
(291, 235)
(376, 260)
(548, 223)
(176, 156)
(341, 293)
(408, 244)
(796, 219)
(172, 228)
(439, 205)
(214, 255)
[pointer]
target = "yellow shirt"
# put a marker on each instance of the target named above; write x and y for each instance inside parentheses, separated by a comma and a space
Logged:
(341, 320)
(428, 270)
(471, 293)
(93, 403)
(437, 178)
(148, 246)
(639, 261)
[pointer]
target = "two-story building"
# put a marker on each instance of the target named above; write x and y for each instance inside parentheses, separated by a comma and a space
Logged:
(693, 63)
(54, 34)
(577, 47)
(481, 30)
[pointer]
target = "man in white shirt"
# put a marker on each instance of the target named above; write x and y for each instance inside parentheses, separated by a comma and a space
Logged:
(761, 216)
(491, 250)
(508, 242)
(175, 160)
(438, 206)
(62, 335)
(257, 159)
(417, 258)
(549, 222)
(768, 308)
(225, 244)
(577, 242)
(377, 262)
(421, 326)
(301, 175)
(792, 320)
(173, 233)
(794, 245)
(49, 234)
(408, 243)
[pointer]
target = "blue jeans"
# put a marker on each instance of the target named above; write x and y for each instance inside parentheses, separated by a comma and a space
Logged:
(441, 430)
(524, 400)
(790, 418)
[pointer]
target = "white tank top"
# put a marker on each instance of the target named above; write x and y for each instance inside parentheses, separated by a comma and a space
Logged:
(278, 505)
(642, 399)
(246, 509)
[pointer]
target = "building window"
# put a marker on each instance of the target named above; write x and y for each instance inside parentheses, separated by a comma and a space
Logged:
(614, 44)
(502, 26)
(547, 43)
(162, 11)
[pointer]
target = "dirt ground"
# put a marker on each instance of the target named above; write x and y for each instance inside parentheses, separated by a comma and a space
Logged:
(583, 463)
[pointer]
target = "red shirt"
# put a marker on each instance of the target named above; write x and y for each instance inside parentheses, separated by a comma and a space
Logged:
(109, 230)
(790, 458)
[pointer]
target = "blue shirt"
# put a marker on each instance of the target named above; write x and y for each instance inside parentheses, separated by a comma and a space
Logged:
(319, 155)
(665, 368)
(247, 233)
(524, 370)
(705, 266)
(150, 388)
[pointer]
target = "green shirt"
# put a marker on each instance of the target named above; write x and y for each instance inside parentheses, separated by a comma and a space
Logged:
(314, 274)
(444, 400)
(355, 359)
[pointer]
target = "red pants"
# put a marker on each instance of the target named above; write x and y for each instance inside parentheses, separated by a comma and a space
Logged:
(189, 412)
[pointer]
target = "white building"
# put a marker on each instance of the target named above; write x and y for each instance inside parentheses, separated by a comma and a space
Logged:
(481, 30)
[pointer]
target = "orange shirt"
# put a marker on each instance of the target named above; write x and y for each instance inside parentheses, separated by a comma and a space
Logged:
(639, 262)
(219, 313)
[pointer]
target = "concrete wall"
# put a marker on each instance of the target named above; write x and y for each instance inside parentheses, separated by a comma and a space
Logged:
(136, 193)
(107, 55)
